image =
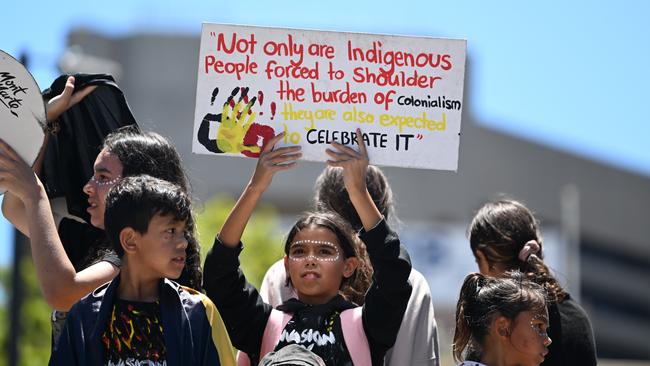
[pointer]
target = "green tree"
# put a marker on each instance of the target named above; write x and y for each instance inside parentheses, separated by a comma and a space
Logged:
(35, 337)
(262, 239)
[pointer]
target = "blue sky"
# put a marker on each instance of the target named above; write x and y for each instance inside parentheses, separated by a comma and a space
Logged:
(572, 75)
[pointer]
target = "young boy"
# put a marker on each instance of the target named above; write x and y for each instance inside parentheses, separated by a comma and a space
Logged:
(142, 317)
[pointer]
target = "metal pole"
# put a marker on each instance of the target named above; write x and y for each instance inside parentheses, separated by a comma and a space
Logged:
(17, 298)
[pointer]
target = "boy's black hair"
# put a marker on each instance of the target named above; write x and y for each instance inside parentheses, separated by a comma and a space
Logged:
(135, 200)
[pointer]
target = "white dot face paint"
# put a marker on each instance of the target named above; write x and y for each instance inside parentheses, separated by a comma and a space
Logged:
(103, 181)
(313, 249)
(539, 323)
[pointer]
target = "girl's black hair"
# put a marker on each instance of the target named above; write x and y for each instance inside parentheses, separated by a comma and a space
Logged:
(353, 288)
(482, 299)
(500, 229)
(151, 154)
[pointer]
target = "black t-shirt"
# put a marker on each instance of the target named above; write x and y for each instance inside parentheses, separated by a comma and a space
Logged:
(318, 329)
(84, 245)
(134, 334)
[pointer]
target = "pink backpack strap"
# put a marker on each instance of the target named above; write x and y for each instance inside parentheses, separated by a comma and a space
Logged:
(355, 337)
(277, 321)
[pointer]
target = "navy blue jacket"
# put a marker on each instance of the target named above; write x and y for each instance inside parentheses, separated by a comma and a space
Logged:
(193, 329)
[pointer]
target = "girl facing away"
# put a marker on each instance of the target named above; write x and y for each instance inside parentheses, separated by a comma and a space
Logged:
(504, 236)
(326, 265)
(501, 321)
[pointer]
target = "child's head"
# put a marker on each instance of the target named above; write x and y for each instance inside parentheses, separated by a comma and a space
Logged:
(129, 152)
(324, 257)
(504, 236)
(331, 194)
(146, 221)
(501, 317)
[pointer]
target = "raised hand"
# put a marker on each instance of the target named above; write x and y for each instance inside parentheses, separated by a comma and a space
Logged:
(68, 98)
(354, 164)
(16, 176)
(272, 161)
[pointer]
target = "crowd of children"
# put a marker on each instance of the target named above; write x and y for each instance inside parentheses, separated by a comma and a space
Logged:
(127, 287)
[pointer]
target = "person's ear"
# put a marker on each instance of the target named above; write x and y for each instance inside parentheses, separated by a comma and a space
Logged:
(128, 240)
(502, 327)
(286, 265)
(350, 266)
(481, 260)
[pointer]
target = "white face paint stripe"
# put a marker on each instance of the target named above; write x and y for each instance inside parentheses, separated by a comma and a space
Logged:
(315, 257)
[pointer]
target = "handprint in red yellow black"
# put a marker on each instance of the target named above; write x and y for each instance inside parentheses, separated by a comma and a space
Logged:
(237, 133)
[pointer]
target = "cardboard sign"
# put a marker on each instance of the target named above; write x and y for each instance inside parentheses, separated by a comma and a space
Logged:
(22, 110)
(405, 93)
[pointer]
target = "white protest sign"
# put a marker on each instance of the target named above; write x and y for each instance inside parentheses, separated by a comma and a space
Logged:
(22, 109)
(404, 93)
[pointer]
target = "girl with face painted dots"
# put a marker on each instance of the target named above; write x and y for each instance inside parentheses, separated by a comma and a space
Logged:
(327, 266)
(501, 321)
(504, 236)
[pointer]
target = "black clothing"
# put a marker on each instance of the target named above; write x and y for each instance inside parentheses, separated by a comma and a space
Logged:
(134, 334)
(85, 244)
(245, 314)
(71, 153)
(571, 335)
(317, 328)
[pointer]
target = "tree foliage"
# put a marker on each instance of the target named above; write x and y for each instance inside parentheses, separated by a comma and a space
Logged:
(262, 240)
(35, 339)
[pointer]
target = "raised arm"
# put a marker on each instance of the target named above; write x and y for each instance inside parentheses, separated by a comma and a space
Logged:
(388, 295)
(270, 162)
(242, 308)
(62, 286)
(13, 208)
(355, 165)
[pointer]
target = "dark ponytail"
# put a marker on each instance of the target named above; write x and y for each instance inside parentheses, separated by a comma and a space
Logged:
(483, 298)
(463, 331)
(500, 230)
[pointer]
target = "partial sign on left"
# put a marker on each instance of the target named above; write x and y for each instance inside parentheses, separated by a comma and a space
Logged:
(22, 109)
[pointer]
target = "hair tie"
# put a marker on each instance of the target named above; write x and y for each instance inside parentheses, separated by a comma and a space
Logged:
(531, 247)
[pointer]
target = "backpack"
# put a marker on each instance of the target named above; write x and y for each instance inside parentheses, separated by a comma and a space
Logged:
(353, 334)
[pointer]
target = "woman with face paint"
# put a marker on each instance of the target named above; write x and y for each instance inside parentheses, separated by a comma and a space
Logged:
(504, 236)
